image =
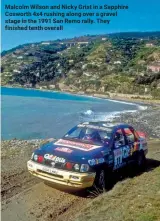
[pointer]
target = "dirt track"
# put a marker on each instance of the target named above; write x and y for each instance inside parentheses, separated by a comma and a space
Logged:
(41, 202)
(26, 198)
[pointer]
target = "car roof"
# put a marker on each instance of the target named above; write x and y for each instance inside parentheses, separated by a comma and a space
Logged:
(105, 124)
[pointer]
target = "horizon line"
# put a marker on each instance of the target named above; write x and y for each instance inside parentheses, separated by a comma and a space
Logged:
(61, 39)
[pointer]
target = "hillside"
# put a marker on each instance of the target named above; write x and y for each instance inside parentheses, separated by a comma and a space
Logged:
(126, 63)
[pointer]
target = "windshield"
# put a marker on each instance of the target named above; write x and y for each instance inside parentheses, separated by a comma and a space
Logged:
(90, 134)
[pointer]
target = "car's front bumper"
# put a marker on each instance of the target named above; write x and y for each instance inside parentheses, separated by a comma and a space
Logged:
(67, 178)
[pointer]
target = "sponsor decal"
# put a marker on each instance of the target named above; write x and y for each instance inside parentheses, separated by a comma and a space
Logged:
(77, 145)
(48, 156)
(93, 162)
(60, 160)
(110, 159)
(101, 160)
(53, 164)
(105, 152)
(126, 151)
(118, 152)
(64, 149)
(118, 158)
(54, 158)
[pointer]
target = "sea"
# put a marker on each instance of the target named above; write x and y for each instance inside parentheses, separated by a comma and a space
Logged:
(34, 114)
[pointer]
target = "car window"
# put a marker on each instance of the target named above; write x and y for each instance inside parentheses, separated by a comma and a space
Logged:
(76, 133)
(89, 134)
(104, 135)
(129, 135)
(119, 139)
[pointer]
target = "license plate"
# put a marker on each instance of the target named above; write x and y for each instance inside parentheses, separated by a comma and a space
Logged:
(49, 170)
(53, 171)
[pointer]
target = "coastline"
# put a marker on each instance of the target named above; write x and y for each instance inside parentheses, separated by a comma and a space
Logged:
(137, 99)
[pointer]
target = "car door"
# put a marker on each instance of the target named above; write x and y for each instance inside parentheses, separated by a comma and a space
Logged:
(119, 149)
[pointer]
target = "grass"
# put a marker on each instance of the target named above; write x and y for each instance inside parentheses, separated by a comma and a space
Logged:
(133, 199)
(136, 199)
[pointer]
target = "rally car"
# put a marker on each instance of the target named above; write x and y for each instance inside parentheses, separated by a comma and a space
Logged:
(88, 154)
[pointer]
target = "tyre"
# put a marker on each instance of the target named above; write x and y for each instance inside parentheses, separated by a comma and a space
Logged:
(100, 180)
(103, 179)
(141, 161)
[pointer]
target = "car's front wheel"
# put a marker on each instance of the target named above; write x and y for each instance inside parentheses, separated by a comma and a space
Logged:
(100, 180)
(103, 179)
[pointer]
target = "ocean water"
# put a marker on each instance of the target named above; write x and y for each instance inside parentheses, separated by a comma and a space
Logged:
(33, 114)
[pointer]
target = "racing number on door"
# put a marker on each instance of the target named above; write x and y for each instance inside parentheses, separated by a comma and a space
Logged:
(117, 158)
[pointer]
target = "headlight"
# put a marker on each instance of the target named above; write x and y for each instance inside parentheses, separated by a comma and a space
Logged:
(35, 157)
(84, 168)
(77, 167)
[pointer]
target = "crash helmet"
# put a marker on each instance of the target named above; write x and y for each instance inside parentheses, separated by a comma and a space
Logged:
(90, 134)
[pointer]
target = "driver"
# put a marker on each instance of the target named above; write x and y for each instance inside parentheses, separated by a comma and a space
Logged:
(119, 138)
(91, 134)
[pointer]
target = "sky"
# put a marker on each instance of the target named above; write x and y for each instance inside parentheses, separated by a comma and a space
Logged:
(142, 15)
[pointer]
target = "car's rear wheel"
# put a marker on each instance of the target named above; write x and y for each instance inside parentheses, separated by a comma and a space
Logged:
(141, 161)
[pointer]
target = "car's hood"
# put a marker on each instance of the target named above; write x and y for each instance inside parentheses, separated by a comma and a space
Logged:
(71, 150)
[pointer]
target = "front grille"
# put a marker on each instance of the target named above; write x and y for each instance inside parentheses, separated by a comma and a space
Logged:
(56, 165)
(49, 164)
